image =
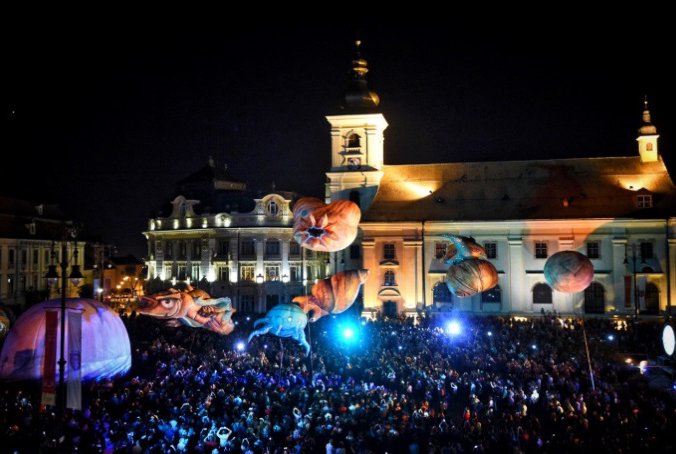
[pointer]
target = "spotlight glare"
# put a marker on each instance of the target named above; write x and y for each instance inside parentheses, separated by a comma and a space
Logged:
(240, 346)
(490, 333)
(611, 337)
(401, 348)
(454, 328)
(534, 347)
(348, 333)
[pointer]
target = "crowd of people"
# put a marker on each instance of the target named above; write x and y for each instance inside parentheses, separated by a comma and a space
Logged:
(501, 385)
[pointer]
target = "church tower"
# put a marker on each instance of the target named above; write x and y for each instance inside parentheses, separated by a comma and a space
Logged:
(647, 137)
(356, 141)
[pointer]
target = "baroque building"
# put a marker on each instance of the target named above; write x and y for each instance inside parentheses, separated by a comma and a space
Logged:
(29, 233)
(221, 237)
(618, 211)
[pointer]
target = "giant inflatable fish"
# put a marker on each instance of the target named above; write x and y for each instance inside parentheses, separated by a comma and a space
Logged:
(214, 314)
(283, 320)
(334, 294)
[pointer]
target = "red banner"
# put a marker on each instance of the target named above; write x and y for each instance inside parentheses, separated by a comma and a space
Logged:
(49, 364)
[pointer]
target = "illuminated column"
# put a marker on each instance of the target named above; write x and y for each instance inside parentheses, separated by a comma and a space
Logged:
(519, 295)
(671, 256)
(372, 284)
(413, 260)
(619, 275)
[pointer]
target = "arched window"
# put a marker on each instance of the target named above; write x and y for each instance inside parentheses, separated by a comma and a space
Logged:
(542, 294)
(594, 299)
(442, 294)
(493, 295)
(354, 141)
(652, 299)
(649, 146)
(390, 278)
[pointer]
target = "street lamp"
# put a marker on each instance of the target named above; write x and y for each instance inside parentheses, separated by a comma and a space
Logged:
(259, 279)
(53, 277)
(285, 278)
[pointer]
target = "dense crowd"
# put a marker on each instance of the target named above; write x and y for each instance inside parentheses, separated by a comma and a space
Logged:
(501, 385)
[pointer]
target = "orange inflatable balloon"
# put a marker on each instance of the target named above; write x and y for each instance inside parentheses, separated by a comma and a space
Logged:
(471, 276)
(334, 294)
(325, 228)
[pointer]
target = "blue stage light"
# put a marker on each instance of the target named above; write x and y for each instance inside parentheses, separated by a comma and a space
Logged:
(348, 333)
(454, 328)
(239, 346)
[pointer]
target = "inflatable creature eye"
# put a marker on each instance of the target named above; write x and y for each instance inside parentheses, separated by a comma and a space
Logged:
(168, 302)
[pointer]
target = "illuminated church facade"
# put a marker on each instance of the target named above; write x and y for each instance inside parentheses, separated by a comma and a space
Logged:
(618, 211)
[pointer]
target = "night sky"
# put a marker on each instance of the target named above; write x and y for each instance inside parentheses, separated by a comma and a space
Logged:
(125, 109)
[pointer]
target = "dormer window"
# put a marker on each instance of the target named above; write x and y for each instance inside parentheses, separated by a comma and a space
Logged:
(649, 146)
(273, 208)
(644, 201)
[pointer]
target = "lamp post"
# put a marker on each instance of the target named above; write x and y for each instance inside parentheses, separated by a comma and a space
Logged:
(52, 278)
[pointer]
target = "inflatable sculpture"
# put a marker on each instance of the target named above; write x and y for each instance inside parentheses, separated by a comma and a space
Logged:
(105, 343)
(569, 271)
(5, 323)
(214, 314)
(462, 247)
(469, 273)
(283, 320)
(325, 228)
(334, 294)
(471, 276)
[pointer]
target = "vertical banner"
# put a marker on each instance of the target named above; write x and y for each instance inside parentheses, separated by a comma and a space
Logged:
(627, 291)
(49, 361)
(73, 383)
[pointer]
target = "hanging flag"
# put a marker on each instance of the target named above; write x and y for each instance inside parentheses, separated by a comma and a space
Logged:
(73, 383)
(49, 364)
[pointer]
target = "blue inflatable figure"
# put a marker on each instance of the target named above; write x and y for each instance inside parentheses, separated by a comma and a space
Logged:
(284, 320)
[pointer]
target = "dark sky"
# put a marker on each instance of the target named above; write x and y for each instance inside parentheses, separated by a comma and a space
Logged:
(124, 109)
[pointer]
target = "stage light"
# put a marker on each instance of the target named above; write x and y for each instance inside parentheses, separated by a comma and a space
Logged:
(240, 346)
(611, 337)
(401, 348)
(348, 333)
(454, 328)
(265, 346)
(534, 347)
(248, 318)
(490, 333)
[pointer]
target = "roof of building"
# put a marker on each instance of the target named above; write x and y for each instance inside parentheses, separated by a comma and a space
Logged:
(26, 219)
(542, 189)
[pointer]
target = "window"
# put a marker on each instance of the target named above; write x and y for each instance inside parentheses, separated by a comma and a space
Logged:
(158, 246)
(542, 294)
(354, 141)
(195, 274)
(167, 273)
(493, 295)
(224, 274)
(593, 250)
(46, 256)
(246, 303)
(644, 201)
(355, 251)
(170, 250)
(294, 273)
(24, 257)
(441, 294)
(294, 248)
(389, 278)
(36, 256)
(10, 284)
(649, 146)
(196, 252)
(491, 250)
(272, 272)
(247, 273)
(272, 248)
(388, 251)
(273, 208)
(223, 248)
(355, 197)
(12, 257)
(646, 250)
(439, 249)
(181, 272)
(247, 248)
(594, 299)
(540, 250)
(181, 249)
